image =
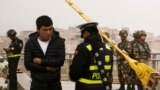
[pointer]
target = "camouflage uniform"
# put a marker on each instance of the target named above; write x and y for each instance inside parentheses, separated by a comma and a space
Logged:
(140, 52)
(123, 66)
(132, 72)
(135, 36)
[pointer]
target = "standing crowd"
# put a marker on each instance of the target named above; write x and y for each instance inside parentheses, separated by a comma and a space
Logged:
(92, 65)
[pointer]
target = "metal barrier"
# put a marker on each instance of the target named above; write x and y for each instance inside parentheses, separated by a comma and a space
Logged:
(154, 63)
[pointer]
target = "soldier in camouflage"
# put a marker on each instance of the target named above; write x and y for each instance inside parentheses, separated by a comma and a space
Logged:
(108, 35)
(132, 72)
(141, 52)
(135, 36)
(123, 66)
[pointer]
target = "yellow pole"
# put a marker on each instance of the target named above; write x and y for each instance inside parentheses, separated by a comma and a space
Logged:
(142, 70)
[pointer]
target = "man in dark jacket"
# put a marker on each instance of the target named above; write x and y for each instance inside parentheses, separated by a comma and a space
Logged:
(44, 55)
(13, 55)
(91, 68)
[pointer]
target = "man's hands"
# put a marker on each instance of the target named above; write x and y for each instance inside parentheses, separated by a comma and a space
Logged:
(39, 60)
(142, 60)
(6, 50)
(52, 69)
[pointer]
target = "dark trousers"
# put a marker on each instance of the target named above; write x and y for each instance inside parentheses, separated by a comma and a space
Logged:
(82, 86)
(13, 63)
(36, 85)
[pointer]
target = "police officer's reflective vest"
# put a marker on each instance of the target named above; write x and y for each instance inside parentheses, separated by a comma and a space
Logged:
(11, 55)
(94, 76)
(15, 48)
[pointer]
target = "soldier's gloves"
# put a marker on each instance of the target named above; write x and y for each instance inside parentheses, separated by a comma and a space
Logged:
(141, 60)
(125, 62)
(125, 52)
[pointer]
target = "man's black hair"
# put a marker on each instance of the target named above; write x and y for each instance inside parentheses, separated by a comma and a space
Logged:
(43, 21)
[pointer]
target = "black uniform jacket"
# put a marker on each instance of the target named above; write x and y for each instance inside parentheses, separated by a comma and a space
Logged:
(81, 62)
(16, 46)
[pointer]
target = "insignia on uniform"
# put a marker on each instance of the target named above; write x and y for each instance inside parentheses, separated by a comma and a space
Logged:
(99, 62)
(101, 49)
(20, 45)
(96, 54)
(107, 87)
(105, 79)
(102, 71)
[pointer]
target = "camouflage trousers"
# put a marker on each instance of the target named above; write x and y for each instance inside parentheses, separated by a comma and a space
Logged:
(124, 72)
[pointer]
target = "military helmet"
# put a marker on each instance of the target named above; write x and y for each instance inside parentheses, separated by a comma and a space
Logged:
(107, 34)
(142, 33)
(135, 34)
(11, 32)
(123, 33)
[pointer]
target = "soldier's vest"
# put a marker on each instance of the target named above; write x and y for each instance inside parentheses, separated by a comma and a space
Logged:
(93, 76)
(123, 46)
(143, 51)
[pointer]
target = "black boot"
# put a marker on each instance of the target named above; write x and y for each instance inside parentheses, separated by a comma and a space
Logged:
(133, 87)
(122, 87)
(129, 87)
(140, 87)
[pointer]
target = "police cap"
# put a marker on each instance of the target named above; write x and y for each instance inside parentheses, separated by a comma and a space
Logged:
(90, 27)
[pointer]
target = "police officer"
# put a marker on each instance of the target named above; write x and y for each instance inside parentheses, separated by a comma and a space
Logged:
(91, 68)
(13, 55)
(141, 52)
(123, 66)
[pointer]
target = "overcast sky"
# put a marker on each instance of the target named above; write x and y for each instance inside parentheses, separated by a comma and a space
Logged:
(136, 14)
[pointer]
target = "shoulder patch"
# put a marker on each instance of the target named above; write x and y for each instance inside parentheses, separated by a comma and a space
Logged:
(108, 47)
(21, 45)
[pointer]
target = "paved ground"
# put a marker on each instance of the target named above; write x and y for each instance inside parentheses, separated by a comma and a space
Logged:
(68, 85)
(25, 82)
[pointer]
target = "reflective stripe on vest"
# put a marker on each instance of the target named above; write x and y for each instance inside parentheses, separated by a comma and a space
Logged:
(88, 81)
(96, 77)
(15, 55)
(95, 67)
